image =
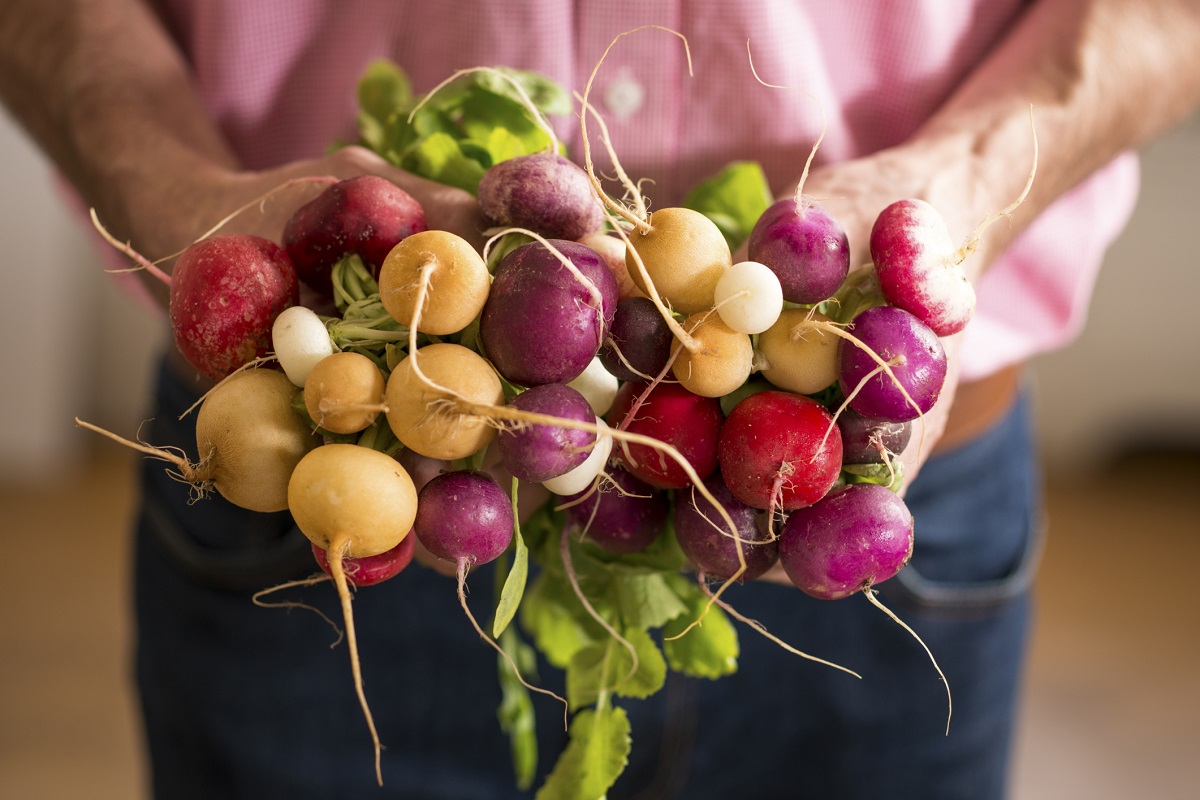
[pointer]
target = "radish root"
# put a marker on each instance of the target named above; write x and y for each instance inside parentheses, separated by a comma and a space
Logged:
(870, 593)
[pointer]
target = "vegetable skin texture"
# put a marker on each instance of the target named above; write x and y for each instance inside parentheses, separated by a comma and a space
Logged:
(771, 451)
(709, 547)
(352, 493)
(543, 192)
(672, 415)
(226, 292)
(685, 254)
(624, 517)
(534, 293)
(366, 215)
(464, 515)
(857, 537)
(370, 570)
(442, 433)
(918, 265)
(249, 438)
(806, 248)
(723, 361)
(535, 452)
(457, 284)
(892, 333)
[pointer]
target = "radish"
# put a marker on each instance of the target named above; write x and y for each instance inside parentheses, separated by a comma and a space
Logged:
(779, 451)
(249, 439)
(440, 270)
(538, 453)
(344, 392)
(464, 517)
(353, 502)
(853, 540)
(597, 385)
(623, 515)
(916, 363)
(670, 414)
(365, 215)
(613, 250)
(421, 395)
(796, 355)
(749, 297)
(370, 570)
(804, 246)
(545, 192)
(679, 255)
(722, 361)
(711, 549)
(226, 292)
(299, 340)
(581, 477)
(639, 341)
(871, 441)
(575, 302)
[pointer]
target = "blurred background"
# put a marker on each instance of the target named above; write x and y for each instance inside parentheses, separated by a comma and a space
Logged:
(1111, 695)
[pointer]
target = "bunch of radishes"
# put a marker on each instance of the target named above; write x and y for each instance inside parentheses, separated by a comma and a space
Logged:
(684, 411)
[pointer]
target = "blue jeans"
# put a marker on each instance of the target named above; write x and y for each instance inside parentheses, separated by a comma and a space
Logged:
(241, 701)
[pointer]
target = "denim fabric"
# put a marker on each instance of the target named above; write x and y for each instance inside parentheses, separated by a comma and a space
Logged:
(248, 702)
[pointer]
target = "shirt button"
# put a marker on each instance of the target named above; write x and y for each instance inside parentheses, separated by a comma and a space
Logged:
(624, 96)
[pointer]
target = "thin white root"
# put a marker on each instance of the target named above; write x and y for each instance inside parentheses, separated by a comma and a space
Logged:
(870, 593)
(258, 596)
(337, 551)
(142, 262)
(462, 599)
(972, 241)
(761, 629)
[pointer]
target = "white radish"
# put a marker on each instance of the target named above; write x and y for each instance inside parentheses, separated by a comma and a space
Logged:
(749, 297)
(300, 340)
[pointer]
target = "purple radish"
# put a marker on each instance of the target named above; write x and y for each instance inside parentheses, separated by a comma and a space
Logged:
(623, 516)
(541, 323)
(919, 266)
(709, 547)
(871, 441)
(856, 537)
(915, 357)
(464, 517)
(540, 452)
(366, 215)
(804, 246)
(639, 339)
(544, 192)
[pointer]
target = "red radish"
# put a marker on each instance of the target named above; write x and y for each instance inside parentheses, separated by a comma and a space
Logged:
(534, 293)
(226, 292)
(709, 547)
(366, 215)
(624, 514)
(916, 360)
(805, 246)
(780, 451)
(544, 192)
(540, 452)
(857, 537)
(370, 570)
(672, 415)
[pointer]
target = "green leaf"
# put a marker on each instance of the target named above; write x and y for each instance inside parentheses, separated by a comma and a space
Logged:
(383, 90)
(595, 756)
(484, 113)
(645, 600)
(514, 584)
(881, 474)
(551, 613)
(551, 98)
(515, 713)
(440, 158)
(733, 199)
(608, 667)
(710, 649)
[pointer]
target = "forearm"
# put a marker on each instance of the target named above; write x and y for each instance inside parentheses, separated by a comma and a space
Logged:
(105, 93)
(1102, 77)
